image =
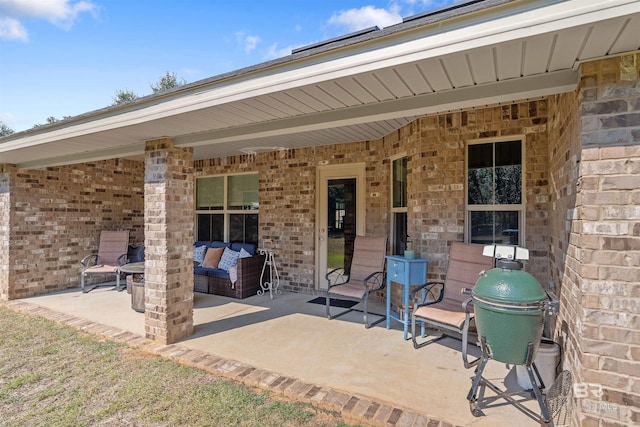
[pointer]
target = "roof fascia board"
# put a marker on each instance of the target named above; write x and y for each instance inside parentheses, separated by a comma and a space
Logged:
(432, 103)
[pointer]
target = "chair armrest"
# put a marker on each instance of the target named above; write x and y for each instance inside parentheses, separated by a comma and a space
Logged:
(467, 306)
(340, 276)
(89, 260)
(122, 260)
(431, 288)
(379, 282)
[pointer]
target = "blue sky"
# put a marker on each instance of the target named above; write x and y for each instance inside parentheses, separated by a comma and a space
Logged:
(67, 57)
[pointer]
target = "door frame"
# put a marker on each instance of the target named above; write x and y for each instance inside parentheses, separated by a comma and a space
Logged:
(323, 175)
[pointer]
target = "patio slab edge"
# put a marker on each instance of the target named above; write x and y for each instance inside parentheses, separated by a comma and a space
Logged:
(353, 408)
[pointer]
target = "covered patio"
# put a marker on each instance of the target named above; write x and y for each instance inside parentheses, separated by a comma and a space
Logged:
(556, 81)
(287, 345)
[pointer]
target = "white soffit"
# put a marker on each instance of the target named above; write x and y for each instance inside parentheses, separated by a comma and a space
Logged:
(507, 53)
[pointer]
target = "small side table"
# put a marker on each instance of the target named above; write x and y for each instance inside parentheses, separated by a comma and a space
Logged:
(406, 272)
(274, 278)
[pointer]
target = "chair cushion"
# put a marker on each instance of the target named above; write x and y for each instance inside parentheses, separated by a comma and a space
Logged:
(350, 289)
(101, 269)
(212, 257)
(244, 254)
(445, 313)
(229, 259)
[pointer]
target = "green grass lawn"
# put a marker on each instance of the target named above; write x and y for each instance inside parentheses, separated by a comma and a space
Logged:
(55, 375)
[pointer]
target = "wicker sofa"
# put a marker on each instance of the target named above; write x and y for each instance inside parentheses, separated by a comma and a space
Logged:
(217, 281)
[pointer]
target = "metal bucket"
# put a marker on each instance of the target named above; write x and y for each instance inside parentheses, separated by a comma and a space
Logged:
(509, 307)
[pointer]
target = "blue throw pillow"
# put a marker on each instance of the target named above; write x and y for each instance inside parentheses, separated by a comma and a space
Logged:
(229, 259)
(198, 254)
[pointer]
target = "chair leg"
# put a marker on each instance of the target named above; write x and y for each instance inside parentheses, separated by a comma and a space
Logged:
(367, 325)
(328, 307)
(366, 319)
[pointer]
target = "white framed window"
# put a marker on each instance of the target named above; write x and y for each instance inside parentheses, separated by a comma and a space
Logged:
(398, 204)
(495, 203)
(227, 208)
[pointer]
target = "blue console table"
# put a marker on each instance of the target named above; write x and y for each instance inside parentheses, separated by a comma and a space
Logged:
(406, 272)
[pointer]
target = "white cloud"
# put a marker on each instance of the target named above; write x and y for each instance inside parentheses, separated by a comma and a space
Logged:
(368, 16)
(12, 29)
(247, 41)
(62, 13)
(365, 17)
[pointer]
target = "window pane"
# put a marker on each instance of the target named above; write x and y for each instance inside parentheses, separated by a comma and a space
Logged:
(243, 192)
(210, 193)
(400, 183)
(495, 227)
(508, 153)
(509, 185)
(508, 172)
(480, 156)
(480, 186)
(243, 228)
(210, 227)
(399, 232)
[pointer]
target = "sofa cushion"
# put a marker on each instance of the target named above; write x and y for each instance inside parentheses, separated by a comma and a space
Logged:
(212, 257)
(217, 272)
(199, 253)
(202, 243)
(249, 247)
(201, 271)
(217, 244)
(229, 259)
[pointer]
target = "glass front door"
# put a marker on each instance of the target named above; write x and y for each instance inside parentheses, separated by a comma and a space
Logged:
(339, 219)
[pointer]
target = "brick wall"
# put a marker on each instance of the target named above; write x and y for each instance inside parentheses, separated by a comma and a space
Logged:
(437, 178)
(596, 164)
(53, 218)
(434, 146)
(287, 181)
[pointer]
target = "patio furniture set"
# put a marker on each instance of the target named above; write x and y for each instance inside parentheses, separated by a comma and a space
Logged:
(229, 269)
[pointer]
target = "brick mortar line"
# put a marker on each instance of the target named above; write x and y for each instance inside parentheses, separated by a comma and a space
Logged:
(355, 408)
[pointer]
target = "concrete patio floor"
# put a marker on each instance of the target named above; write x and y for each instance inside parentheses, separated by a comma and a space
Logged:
(289, 337)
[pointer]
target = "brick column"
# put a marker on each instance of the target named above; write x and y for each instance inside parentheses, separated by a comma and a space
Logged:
(168, 216)
(604, 247)
(7, 176)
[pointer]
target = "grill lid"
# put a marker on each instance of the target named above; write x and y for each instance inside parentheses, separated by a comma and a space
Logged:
(501, 285)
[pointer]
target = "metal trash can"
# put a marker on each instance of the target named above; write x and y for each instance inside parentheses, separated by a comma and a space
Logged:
(509, 306)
